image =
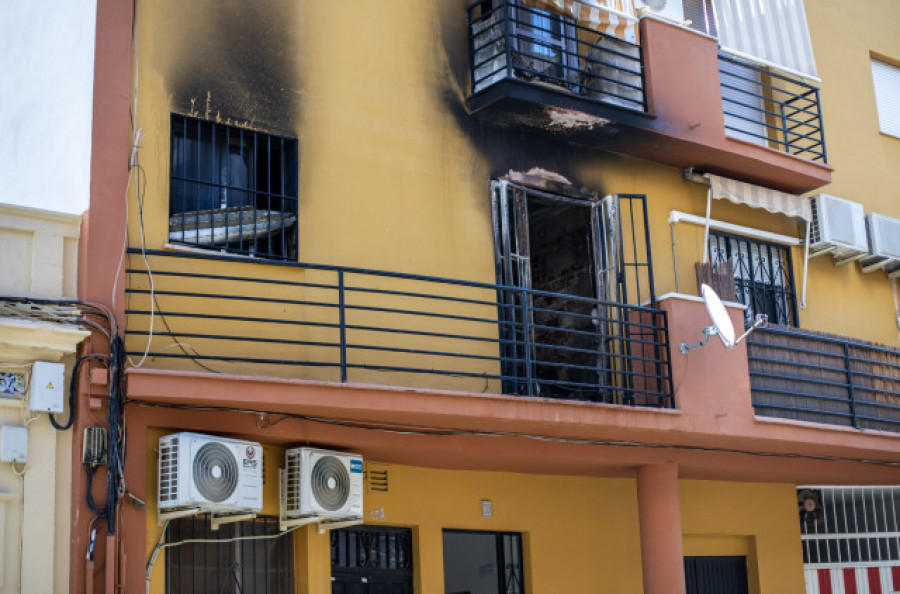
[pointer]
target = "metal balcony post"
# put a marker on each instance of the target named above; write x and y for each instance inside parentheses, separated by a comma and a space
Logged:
(526, 339)
(508, 36)
(849, 369)
(343, 325)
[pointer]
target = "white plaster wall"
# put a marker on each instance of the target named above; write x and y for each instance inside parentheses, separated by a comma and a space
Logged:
(46, 57)
(39, 251)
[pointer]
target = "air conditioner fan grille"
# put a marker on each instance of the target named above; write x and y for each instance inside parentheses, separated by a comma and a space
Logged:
(215, 472)
(330, 483)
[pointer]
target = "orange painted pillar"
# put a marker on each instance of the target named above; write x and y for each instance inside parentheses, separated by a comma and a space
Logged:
(662, 557)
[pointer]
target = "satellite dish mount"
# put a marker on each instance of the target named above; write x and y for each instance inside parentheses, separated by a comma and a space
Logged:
(721, 323)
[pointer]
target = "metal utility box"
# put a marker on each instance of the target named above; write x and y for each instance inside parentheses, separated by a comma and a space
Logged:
(13, 444)
(45, 390)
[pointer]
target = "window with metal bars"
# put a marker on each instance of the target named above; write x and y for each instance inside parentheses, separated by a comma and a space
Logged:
(763, 276)
(233, 189)
(484, 562)
(237, 558)
(843, 525)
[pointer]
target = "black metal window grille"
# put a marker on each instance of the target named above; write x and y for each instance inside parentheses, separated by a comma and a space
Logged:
(372, 559)
(510, 40)
(850, 524)
(763, 276)
(220, 565)
(484, 562)
(233, 189)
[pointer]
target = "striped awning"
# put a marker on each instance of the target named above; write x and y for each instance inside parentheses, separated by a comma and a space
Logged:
(612, 17)
(791, 205)
(772, 33)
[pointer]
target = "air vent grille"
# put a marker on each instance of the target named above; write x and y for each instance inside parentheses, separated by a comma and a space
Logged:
(376, 478)
(168, 470)
(293, 466)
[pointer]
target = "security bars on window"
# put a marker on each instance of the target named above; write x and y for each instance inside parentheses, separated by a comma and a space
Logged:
(763, 276)
(233, 190)
(858, 525)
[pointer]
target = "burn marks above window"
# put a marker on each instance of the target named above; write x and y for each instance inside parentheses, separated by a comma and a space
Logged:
(233, 190)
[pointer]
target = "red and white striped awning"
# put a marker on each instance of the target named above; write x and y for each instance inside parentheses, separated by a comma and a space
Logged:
(612, 17)
(772, 33)
(853, 580)
(791, 205)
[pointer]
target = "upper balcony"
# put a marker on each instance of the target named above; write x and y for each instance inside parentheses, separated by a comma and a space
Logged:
(649, 88)
(819, 378)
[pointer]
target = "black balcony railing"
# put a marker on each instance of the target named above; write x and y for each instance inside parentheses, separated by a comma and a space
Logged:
(511, 39)
(824, 379)
(348, 324)
(771, 109)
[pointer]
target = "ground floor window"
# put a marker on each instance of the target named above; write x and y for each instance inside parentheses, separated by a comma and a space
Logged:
(236, 558)
(371, 560)
(482, 562)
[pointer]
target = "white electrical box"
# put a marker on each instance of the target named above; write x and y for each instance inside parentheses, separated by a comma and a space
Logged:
(13, 444)
(45, 388)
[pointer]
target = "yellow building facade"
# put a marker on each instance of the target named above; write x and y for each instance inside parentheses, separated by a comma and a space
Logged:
(451, 239)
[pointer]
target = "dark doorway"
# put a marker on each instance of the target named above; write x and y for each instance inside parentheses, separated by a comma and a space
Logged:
(371, 560)
(716, 575)
(572, 266)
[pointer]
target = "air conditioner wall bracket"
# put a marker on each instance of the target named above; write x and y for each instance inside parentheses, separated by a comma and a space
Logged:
(216, 521)
(325, 527)
(285, 524)
(164, 516)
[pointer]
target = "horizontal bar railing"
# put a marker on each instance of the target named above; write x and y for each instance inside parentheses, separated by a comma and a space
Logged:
(824, 379)
(508, 39)
(345, 324)
(772, 109)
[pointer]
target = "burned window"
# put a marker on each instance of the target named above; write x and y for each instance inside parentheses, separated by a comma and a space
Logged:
(576, 296)
(233, 190)
(763, 276)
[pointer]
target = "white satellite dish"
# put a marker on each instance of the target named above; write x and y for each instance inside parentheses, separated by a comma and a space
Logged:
(721, 322)
(719, 315)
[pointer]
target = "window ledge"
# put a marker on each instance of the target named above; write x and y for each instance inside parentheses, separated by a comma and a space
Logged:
(221, 254)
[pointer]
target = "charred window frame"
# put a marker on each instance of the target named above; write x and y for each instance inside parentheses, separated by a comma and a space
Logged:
(238, 557)
(232, 189)
(763, 276)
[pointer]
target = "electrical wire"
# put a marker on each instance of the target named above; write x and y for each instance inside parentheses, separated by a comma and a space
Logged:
(437, 432)
(73, 385)
(100, 512)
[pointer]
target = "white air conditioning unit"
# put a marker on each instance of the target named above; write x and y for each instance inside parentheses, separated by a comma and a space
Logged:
(838, 227)
(322, 484)
(884, 236)
(213, 474)
(667, 9)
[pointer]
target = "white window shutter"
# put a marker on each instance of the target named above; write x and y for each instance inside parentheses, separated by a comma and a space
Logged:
(886, 78)
(772, 33)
